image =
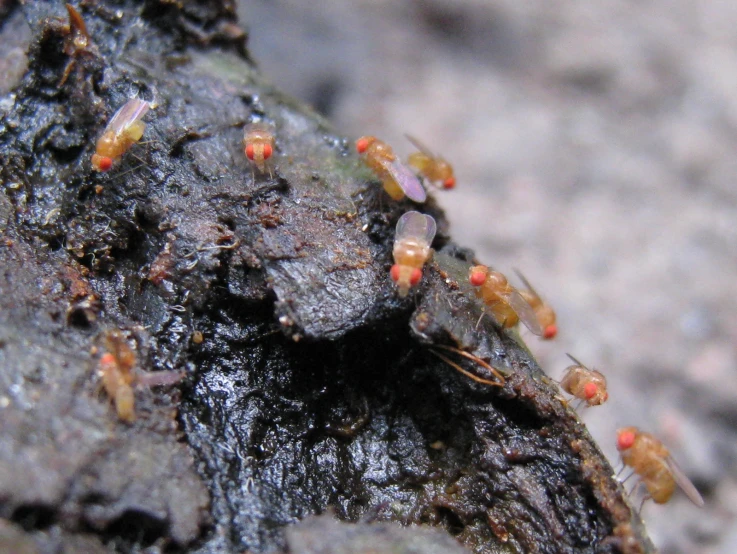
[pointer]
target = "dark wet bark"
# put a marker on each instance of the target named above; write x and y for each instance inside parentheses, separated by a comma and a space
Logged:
(314, 386)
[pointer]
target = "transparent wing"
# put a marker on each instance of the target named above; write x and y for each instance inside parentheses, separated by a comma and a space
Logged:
(684, 482)
(133, 110)
(406, 180)
(525, 312)
(416, 225)
(527, 284)
(421, 147)
(598, 375)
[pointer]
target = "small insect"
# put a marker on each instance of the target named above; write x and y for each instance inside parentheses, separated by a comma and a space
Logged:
(116, 373)
(544, 312)
(654, 465)
(415, 232)
(504, 301)
(258, 144)
(433, 168)
(124, 130)
(398, 179)
(79, 38)
(116, 369)
(77, 41)
(588, 385)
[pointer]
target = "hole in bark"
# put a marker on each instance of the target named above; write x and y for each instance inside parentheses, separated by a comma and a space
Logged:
(56, 243)
(81, 316)
(451, 521)
(138, 527)
(229, 222)
(34, 516)
(66, 155)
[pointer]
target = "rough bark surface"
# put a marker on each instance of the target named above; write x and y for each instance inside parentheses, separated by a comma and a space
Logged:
(314, 386)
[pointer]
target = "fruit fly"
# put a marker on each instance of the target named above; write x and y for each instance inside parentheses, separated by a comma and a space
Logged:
(415, 232)
(652, 462)
(398, 179)
(124, 130)
(504, 301)
(258, 144)
(585, 384)
(116, 369)
(116, 373)
(433, 168)
(544, 312)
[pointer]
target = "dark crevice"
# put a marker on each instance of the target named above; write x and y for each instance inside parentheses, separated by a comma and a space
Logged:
(135, 528)
(34, 516)
(451, 521)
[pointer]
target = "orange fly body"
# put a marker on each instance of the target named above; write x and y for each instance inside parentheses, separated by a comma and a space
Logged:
(504, 301)
(258, 145)
(115, 369)
(653, 464)
(398, 179)
(118, 375)
(544, 312)
(588, 385)
(124, 130)
(431, 167)
(415, 232)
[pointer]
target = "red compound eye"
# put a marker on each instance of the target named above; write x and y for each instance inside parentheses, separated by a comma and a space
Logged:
(625, 440)
(415, 277)
(477, 278)
(362, 145)
(249, 151)
(590, 390)
(104, 163)
(449, 183)
(550, 332)
(395, 273)
(107, 359)
(267, 151)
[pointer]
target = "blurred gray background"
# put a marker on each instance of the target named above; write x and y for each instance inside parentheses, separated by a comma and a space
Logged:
(595, 147)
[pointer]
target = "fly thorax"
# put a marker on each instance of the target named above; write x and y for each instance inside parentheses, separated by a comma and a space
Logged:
(107, 146)
(382, 151)
(411, 253)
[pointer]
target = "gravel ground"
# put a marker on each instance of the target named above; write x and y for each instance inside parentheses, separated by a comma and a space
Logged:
(594, 149)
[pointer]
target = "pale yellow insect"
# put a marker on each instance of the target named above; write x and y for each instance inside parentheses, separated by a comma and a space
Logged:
(258, 145)
(124, 130)
(415, 232)
(432, 167)
(544, 312)
(398, 179)
(116, 373)
(588, 385)
(655, 467)
(504, 301)
(116, 369)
